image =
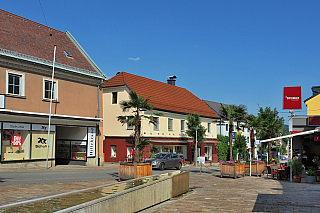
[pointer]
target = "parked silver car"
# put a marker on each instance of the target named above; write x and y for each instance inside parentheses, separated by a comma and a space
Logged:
(166, 160)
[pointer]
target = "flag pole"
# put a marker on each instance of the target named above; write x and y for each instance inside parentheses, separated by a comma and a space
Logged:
(51, 93)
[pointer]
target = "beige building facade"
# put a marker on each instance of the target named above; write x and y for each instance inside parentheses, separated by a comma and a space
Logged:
(169, 135)
(75, 132)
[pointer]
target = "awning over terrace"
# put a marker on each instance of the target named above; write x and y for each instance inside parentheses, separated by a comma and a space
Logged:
(291, 136)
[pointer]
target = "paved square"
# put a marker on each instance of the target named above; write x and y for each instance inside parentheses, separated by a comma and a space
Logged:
(250, 194)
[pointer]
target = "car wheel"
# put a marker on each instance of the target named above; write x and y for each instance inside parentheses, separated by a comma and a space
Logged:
(179, 166)
(161, 167)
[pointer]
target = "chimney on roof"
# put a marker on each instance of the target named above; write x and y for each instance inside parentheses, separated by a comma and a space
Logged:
(315, 90)
(171, 80)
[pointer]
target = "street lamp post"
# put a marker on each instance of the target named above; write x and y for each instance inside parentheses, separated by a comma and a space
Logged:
(196, 148)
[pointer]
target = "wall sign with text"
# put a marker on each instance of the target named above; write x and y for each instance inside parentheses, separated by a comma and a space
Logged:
(292, 98)
(91, 151)
(314, 121)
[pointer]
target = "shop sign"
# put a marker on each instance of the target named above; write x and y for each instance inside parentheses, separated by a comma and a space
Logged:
(292, 98)
(43, 127)
(235, 134)
(314, 121)
(91, 142)
(16, 140)
(317, 138)
(18, 126)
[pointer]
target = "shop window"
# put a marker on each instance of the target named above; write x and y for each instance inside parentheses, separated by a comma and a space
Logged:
(181, 150)
(15, 83)
(47, 89)
(39, 145)
(15, 144)
(114, 98)
(156, 124)
(209, 127)
(170, 124)
(63, 149)
(79, 150)
(113, 151)
(182, 125)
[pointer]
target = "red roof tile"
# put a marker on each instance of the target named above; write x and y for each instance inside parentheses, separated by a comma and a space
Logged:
(162, 95)
(27, 37)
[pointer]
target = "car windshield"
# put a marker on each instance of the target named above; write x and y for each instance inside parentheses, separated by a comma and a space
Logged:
(160, 155)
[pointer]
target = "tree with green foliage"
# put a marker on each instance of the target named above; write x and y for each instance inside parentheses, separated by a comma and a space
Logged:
(222, 148)
(233, 113)
(137, 104)
(193, 123)
(240, 145)
(270, 125)
(252, 123)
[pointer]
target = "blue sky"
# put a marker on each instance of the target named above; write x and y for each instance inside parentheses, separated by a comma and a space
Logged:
(234, 52)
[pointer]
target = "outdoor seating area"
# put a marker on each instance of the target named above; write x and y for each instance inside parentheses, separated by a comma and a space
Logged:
(280, 171)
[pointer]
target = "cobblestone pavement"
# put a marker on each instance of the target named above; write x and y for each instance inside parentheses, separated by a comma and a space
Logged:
(209, 193)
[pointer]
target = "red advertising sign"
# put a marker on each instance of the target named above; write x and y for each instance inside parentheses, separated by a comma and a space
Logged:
(314, 121)
(16, 140)
(317, 138)
(292, 98)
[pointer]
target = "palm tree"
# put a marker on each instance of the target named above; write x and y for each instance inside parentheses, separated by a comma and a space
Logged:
(196, 131)
(270, 126)
(233, 113)
(252, 123)
(137, 104)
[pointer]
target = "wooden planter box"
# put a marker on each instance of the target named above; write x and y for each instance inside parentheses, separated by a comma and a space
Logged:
(232, 170)
(256, 168)
(128, 170)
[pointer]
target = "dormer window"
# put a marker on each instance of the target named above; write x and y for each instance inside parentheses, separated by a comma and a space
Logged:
(68, 54)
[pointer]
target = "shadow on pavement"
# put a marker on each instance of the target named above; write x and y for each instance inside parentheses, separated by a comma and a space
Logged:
(291, 197)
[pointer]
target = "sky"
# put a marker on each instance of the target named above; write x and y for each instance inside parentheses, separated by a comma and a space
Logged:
(232, 52)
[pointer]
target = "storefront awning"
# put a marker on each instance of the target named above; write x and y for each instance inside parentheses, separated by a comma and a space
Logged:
(292, 135)
(46, 115)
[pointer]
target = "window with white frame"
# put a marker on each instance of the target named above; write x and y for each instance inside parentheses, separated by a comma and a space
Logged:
(182, 125)
(114, 97)
(209, 127)
(130, 126)
(170, 124)
(113, 151)
(47, 85)
(156, 124)
(15, 83)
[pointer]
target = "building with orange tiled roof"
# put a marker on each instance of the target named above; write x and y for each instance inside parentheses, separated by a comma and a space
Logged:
(27, 51)
(173, 102)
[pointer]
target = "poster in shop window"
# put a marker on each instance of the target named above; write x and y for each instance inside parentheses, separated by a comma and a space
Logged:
(91, 142)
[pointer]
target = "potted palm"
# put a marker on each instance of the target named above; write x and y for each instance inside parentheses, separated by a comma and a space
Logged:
(311, 175)
(137, 105)
(297, 168)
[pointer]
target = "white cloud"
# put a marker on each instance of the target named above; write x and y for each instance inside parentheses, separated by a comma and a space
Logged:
(134, 59)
